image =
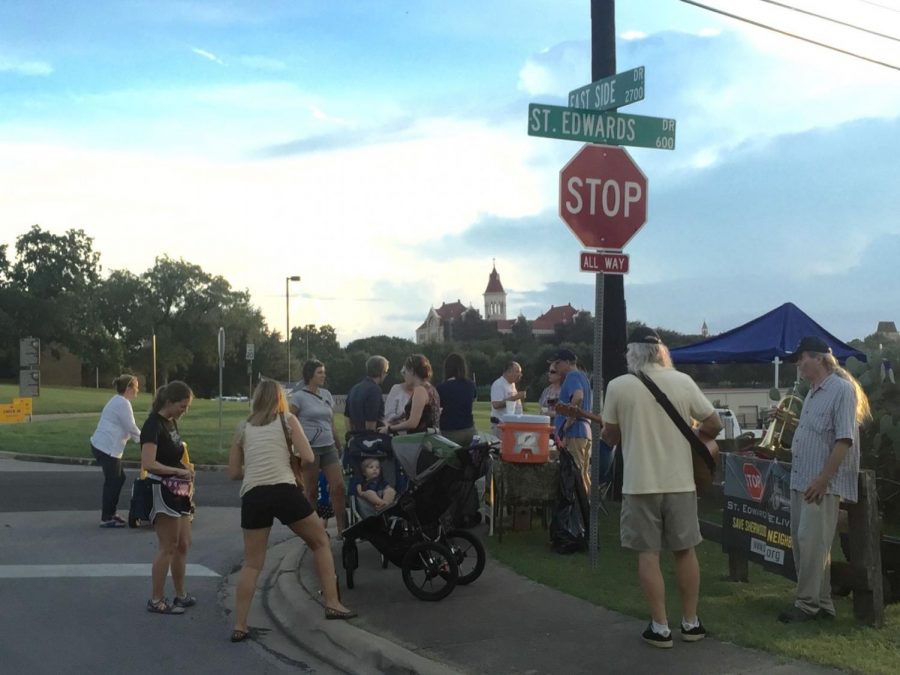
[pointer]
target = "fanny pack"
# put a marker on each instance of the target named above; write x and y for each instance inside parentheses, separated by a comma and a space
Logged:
(180, 487)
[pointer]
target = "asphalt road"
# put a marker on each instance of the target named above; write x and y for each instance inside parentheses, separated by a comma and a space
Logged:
(73, 595)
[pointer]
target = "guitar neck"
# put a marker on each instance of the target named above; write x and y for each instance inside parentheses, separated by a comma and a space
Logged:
(574, 411)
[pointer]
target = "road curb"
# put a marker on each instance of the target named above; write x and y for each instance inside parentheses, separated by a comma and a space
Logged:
(294, 606)
(90, 461)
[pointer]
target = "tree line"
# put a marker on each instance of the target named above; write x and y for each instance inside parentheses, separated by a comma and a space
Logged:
(52, 287)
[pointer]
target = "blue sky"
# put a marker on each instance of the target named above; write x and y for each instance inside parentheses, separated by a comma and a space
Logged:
(379, 150)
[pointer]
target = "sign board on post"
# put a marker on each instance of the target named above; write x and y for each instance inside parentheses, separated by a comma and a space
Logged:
(251, 351)
(29, 352)
(603, 196)
(756, 520)
(608, 262)
(610, 92)
(29, 383)
(589, 126)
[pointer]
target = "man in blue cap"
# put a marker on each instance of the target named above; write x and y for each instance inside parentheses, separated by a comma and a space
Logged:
(824, 468)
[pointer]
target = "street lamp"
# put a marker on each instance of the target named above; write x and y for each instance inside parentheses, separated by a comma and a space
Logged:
(287, 313)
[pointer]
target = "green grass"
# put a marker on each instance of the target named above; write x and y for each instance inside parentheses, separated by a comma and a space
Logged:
(741, 613)
(200, 427)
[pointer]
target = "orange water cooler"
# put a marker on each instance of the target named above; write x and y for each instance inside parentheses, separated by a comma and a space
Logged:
(525, 439)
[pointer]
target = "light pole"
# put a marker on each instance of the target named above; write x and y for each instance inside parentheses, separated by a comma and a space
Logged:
(287, 313)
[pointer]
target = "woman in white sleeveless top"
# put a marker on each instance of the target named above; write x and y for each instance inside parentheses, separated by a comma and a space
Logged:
(261, 456)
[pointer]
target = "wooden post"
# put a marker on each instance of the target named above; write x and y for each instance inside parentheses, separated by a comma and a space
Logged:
(865, 553)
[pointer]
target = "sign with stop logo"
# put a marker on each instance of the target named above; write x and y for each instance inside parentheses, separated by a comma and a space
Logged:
(603, 196)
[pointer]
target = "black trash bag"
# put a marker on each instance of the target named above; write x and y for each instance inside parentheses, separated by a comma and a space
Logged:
(568, 523)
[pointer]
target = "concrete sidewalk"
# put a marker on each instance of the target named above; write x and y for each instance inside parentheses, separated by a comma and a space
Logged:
(502, 623)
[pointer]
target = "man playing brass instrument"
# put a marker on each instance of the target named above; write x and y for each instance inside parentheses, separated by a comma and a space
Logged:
(823, 471)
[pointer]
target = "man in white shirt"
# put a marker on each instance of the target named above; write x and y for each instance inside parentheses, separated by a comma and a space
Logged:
(504, 390)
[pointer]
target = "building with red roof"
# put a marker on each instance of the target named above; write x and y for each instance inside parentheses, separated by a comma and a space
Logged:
(437, 326)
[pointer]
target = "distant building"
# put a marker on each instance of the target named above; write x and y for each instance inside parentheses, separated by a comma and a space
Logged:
(704, 329)
(494, 298)
(887, 330)
(437, 326)
(547, 322)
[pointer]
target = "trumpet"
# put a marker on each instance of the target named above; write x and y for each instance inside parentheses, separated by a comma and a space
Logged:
(776, 442)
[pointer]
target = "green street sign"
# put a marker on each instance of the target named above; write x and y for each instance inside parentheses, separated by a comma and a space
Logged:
(588, 126)
(610, 92)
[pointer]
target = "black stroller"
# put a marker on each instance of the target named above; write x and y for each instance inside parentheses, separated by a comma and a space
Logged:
(413, 533)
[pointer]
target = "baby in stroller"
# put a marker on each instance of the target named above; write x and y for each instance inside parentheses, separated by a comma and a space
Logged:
(374, 491)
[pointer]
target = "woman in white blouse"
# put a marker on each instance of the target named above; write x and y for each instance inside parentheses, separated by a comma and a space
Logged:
(115, 428)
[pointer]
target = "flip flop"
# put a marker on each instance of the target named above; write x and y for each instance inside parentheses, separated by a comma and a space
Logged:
(239, 635)
(337, 615)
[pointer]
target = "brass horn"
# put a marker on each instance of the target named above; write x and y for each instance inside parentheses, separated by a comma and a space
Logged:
(776, 442)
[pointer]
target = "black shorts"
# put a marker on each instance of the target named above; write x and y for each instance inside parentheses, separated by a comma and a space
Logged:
(261, 505)
(168, 504)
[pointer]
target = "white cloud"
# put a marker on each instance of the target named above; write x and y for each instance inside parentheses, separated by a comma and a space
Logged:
(207, 55)
(35, 68)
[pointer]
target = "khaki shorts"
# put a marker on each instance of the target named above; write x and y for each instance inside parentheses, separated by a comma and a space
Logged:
(660, 522)
(326, 456)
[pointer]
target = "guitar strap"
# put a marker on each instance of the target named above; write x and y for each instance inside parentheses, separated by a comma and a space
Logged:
(696, 444)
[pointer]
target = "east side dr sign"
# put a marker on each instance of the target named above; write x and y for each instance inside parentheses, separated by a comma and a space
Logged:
(603, 196)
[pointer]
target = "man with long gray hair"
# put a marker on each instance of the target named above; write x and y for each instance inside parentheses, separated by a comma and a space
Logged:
(824, 468)
(659, 499)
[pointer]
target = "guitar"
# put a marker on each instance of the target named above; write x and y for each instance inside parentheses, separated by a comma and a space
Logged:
(705, 456)
(567, 410)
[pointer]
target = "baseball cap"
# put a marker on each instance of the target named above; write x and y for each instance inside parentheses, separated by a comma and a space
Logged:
(644, 335)
(810, 343)
(563, 355)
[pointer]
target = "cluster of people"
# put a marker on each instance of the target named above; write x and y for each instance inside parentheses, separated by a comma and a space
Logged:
(261, 455)
(659, 501)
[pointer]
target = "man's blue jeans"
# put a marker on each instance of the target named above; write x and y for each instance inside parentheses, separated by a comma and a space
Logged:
(113, 480)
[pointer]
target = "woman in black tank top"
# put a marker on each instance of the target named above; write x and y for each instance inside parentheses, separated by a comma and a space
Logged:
(424, 408)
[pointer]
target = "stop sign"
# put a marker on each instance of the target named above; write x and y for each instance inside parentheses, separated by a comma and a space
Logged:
(603, 196)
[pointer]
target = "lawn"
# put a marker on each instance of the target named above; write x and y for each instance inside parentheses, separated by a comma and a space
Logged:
(744, 614)
(68, 437)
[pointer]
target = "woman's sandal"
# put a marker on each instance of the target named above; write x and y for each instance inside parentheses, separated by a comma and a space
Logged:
(337, 614)
(163, 607)
(238, 635)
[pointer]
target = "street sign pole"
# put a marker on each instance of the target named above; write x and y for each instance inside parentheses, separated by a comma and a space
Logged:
(221, 369)
(603, 64)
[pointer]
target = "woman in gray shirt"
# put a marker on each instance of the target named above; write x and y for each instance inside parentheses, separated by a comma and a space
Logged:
(314, 407)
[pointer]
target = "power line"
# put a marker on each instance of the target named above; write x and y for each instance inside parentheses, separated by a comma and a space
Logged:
(878, 4)
(793, 35)
(828, 18)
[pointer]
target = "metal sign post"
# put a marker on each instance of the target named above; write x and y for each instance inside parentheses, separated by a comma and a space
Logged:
(221, 368)
(251, 352)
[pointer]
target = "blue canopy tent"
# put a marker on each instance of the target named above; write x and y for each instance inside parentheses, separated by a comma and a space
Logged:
(766, 339)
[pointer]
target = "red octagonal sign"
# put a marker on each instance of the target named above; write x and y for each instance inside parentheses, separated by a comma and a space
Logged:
(603, 196)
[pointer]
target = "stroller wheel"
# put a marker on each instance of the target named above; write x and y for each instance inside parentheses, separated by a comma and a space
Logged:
(430, 571)
(468, 551)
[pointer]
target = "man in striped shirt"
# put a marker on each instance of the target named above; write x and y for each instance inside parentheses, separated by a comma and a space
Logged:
(824, 471)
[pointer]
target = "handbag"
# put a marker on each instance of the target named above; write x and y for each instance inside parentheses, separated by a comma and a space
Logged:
(141, 500)
(704, 453)
(295, 461)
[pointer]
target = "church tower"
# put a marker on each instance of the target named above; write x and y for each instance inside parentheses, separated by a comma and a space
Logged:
(494, 297)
